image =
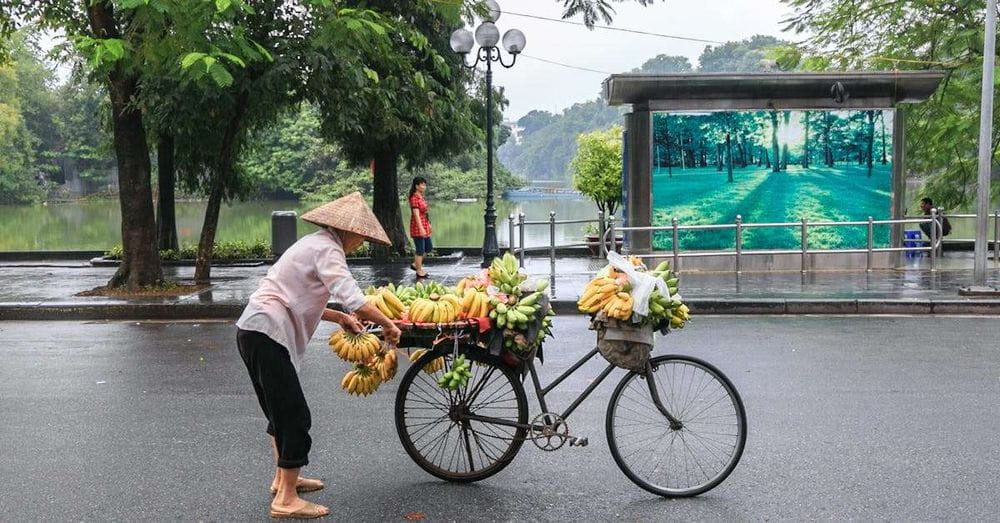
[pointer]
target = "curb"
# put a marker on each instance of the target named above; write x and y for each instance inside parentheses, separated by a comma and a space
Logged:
(763, 306)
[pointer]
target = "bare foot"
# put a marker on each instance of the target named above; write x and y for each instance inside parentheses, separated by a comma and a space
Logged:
(298, 508)
(302, 485)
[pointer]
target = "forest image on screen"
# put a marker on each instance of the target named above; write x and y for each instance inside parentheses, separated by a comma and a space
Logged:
(768, 167)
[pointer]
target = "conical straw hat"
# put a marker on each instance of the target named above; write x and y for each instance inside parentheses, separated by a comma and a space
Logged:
(349, 213)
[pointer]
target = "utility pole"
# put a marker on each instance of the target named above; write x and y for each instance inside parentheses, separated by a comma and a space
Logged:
(985, 154)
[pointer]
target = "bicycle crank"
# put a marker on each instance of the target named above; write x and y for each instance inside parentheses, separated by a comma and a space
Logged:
(550, 432)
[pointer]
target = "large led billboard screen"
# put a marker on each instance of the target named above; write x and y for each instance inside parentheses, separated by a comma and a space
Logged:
(772, 166)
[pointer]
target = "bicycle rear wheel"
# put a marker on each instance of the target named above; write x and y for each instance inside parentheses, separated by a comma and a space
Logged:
(677, 461)
(433, 423)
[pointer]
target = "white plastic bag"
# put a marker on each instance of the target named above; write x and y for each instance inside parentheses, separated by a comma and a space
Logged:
(642, 283)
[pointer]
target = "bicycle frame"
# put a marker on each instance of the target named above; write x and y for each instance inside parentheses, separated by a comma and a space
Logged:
(541, 392)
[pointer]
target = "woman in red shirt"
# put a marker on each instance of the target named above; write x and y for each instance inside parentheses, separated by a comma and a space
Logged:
(420, 225)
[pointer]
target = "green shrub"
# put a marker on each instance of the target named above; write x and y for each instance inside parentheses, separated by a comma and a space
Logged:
(225, 251)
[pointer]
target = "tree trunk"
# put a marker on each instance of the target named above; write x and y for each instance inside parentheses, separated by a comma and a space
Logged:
(206, 244)
(166, 220)
(786, 117)
(767, 160)
(385, 190)
(776, 153)
(882, 119)
(871, 140)
(140, 264)
(222, 172)
(827, 150)
(718, 157)
(729, 157)
(805, 147)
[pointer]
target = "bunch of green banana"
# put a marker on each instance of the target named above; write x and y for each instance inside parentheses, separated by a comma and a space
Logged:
(661, 307)
(506, 276)
(459, 374)
(515, 314)
(407, 295)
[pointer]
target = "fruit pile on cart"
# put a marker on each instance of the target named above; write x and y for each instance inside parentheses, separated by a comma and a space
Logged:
(498, 312)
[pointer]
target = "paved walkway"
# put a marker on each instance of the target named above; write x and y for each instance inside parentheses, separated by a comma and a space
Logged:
(49, 288)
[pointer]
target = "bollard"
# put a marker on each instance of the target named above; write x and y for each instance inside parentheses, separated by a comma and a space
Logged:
(805, 244)
(510, 235)
(934, 240)
(677, 257)
(520, 239)
(283, 231)
(602, 249)
(871, 230)
(739, 244)
(996, 237)
(552, 241)
(611, 232)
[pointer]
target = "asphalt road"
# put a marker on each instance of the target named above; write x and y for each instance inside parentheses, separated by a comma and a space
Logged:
(849, 418)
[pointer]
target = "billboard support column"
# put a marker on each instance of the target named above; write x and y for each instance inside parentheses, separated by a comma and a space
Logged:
(985, 145)
(898, 181)
(639, 179)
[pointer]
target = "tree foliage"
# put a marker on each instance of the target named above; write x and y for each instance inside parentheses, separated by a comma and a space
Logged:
(942, 132)
(597, 168)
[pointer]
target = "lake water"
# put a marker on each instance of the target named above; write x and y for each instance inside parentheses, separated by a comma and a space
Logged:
(96, 225)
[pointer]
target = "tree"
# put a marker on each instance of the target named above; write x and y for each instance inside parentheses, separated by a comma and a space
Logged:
(746, 55)
(17, 184)
(106, 35)
(664, 64)
(593, 10)
(597, 168)
(414, 110)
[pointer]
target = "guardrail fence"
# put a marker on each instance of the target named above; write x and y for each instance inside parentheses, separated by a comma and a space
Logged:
(607, 230)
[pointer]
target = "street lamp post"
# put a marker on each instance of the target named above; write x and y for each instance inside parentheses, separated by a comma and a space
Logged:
(487, 36)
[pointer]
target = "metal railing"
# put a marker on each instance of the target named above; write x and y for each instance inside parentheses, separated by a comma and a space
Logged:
(608, 229)
(517, 228)
(738, 227)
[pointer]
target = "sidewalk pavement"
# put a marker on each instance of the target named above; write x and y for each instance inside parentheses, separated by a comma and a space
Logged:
(46, 290)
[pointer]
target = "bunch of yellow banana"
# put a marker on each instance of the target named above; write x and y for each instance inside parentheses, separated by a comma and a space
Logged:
(355, 348)
(475, 304)
(361, 381)
(387, 302)
(436, 309)
(431, 368)
(597, 294)
(385, 363)
(619, 306)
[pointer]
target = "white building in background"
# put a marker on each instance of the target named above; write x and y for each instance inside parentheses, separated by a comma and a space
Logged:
(515, 131)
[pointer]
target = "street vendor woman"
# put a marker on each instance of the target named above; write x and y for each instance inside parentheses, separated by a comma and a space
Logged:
(282, 316)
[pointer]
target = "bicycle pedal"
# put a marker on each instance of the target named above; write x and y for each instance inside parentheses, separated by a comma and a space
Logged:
(578, 442)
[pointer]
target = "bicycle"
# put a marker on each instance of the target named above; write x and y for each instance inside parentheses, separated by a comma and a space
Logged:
(679, 434)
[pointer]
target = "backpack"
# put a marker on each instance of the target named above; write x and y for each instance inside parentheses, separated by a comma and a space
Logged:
(945, 226)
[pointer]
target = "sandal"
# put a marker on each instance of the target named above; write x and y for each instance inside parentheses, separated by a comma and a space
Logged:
(301, 489)
(309, 511)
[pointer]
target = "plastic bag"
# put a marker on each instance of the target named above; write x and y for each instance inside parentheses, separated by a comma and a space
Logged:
(642, 284)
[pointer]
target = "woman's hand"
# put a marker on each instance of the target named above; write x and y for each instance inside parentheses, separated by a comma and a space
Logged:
(391, 334)
(351, 324)
(347, 321)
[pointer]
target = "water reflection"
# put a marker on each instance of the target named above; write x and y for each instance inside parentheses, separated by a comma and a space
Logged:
(97, 225)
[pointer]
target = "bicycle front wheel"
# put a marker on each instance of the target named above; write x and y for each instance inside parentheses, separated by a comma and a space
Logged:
(681, 460)
(434, 424)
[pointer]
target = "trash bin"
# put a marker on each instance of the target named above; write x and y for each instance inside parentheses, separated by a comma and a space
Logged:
(283, 231)
(911, 239)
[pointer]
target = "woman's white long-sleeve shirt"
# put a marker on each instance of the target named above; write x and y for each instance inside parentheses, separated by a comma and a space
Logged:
(290, 301)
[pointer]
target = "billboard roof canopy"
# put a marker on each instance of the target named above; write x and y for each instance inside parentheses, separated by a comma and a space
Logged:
(764, 91)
